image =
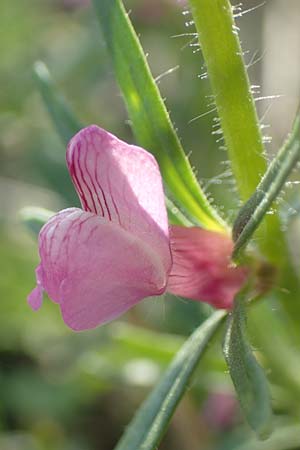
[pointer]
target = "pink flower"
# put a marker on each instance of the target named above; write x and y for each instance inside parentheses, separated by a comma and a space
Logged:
(99, 261)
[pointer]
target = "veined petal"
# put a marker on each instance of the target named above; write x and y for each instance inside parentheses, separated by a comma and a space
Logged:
(119, 182)
(201, 266)
(95, 269)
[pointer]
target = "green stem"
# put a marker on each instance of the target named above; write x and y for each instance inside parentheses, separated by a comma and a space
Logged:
(235, 104)
(229, 80)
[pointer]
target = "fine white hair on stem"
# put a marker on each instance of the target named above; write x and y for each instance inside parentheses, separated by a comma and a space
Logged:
(268, 97)
(267, 110)
(239, 12)
(189, 23)
(186, 12)
(167, 72)
(195, 34)
(255, 59)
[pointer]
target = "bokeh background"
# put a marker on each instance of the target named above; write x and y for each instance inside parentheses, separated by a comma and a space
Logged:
(66, 391)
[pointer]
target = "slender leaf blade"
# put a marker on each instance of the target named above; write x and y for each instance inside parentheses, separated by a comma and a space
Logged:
(148, 114)
(34, 218)
(247, 375)
(64, 120)
(254, 210)
(150, 422)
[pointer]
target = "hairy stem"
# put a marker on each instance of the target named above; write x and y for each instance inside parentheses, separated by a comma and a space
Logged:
(235, 104)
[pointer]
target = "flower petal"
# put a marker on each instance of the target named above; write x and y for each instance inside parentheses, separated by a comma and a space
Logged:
(201, 266)
(95, 269)
(119, 182)
(35, 298)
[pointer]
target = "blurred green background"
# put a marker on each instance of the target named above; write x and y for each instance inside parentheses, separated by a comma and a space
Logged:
(60, 390)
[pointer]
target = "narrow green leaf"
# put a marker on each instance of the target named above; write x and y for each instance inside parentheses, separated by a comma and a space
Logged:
(34, 218)
(268, 189)
(248, 377)
(65, 122)
(148, 114)
(150, 422)
(220, 45)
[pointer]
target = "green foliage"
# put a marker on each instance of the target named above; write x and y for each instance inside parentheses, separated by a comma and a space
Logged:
(254, 210)
(34, 218)
(150, 422)
(248, 377)
(65, 122)
(222, 51)
(220, 45)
